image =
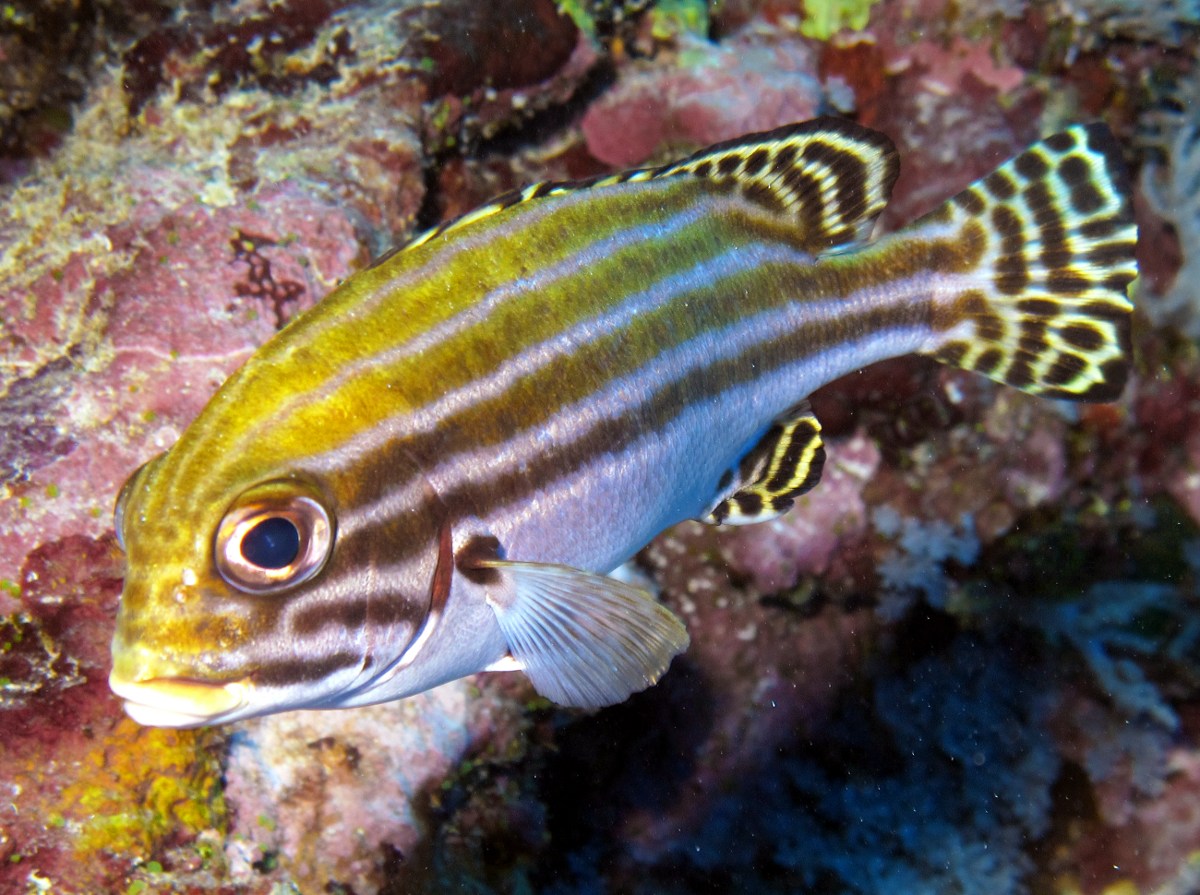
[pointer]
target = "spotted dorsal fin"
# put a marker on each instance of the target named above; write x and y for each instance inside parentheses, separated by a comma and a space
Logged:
(782, 465)
(830, 175)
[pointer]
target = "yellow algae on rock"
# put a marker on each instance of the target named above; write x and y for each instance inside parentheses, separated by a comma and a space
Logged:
(140, 786)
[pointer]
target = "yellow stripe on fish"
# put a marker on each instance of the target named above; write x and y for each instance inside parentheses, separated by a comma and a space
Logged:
(428, 474)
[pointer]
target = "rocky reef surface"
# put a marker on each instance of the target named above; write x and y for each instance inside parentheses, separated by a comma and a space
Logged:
(967, 662)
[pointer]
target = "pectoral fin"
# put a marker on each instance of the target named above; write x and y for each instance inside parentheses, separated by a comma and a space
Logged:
(583, 639)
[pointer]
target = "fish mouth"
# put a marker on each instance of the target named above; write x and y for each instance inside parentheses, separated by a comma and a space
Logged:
(179, 702)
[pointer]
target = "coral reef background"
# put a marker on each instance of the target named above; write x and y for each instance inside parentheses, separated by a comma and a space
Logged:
(968, 662)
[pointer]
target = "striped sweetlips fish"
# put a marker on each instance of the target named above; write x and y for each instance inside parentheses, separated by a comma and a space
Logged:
(429, 473)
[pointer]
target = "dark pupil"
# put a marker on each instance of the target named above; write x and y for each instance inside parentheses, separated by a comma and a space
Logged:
(272, 544)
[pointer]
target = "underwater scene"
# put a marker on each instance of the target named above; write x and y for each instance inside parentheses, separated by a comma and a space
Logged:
(858, 339)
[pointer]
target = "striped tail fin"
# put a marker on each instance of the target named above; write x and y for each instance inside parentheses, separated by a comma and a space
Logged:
(1045, 308)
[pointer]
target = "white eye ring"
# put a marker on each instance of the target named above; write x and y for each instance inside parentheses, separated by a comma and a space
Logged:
(306, 521)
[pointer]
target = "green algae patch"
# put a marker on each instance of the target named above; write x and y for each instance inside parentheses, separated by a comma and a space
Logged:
(579, 13)
(824, 18)
(671, 18)
(143, 786)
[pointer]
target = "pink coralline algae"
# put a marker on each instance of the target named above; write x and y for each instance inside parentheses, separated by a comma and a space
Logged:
(328, 796)
(804, 541)
(711, 92)
(132, 309)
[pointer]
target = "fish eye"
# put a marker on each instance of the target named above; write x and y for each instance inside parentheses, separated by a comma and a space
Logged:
(273, 543)
(272, 539)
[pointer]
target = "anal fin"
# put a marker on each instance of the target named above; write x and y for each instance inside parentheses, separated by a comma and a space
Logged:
(786, 462)
(583, 639)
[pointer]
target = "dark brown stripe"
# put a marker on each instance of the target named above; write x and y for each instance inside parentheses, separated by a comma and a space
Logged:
(1074, 170)
(814, 473)
(1000, 185)
(1020, 372)
(810, 206)
(784, 159)
(1086, 198)
(989, 361)
(1067, 282)
(1060, 142)
(1038, 307)
(349, 615)
(1105, 310)
(970, 201)
(1110, 254)
(1083, 336)
(1057, 257)
(749, 503)
(756, 161)
(1033, 336)
(1118, 282)
(953, 353)
(1065, 368)
(802, 436)
(1012, 276)
(1031, 165)
(1008, 225)
(989, 328)
(304, 670)
(1101, 228)
(760, 194)
(849, 174)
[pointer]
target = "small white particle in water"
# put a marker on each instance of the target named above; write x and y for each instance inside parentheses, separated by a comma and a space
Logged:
(859, 469)
(189, 578)
(748, 632)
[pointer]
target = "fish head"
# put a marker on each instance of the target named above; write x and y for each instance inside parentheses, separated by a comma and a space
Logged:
(238, 599)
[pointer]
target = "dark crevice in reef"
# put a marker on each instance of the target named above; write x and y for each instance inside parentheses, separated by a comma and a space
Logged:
(511, 141)
(52, 49)
(29, 433)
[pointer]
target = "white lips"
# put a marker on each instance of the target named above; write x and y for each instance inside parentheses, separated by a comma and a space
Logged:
(174, 702)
